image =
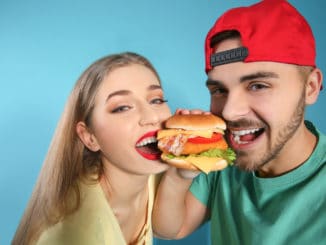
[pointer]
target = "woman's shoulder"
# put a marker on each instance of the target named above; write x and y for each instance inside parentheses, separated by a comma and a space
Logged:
(93, 223)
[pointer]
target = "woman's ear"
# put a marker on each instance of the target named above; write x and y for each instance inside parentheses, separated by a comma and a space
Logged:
(87, 137)
(313, 86)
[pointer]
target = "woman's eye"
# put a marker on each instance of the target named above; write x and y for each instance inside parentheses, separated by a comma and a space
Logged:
(158, 101)
(120, 109)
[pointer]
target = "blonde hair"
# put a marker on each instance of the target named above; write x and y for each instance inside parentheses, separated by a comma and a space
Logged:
(68, 161)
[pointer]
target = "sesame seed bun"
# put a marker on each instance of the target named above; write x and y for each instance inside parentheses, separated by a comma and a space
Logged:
(195, 122)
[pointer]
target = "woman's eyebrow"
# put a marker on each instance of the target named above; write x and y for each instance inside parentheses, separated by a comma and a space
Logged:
(154, 86)
(126, 92)
(119, 92)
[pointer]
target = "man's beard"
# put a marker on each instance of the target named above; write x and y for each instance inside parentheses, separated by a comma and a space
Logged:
(254, 162)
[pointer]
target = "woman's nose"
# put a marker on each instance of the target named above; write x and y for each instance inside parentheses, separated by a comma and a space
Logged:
(149, 116)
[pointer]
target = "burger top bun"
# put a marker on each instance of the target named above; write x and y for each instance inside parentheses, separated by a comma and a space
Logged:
(195, 122)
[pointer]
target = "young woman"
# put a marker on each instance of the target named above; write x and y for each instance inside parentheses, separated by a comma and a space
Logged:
(98, 180)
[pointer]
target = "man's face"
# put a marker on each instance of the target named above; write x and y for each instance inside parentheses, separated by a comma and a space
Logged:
(263, 104)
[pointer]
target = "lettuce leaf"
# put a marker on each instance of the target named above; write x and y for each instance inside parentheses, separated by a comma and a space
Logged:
(228, 154)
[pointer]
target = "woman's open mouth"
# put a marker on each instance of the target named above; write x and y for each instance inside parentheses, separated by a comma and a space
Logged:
(147, 147)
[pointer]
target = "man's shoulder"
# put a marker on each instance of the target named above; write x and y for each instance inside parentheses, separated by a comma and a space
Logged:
(310, 125)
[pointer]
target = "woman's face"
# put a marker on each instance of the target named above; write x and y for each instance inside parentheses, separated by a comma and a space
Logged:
(129, 109)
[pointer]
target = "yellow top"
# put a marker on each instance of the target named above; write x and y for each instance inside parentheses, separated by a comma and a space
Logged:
(94, 222)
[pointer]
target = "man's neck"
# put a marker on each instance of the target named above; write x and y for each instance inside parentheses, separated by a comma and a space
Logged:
(294, 153)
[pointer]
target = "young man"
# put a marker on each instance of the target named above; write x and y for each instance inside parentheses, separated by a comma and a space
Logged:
(260, 62)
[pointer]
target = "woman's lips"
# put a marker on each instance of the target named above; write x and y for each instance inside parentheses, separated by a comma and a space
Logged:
(146, 146)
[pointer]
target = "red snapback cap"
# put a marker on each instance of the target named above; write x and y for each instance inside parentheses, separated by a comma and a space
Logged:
(271, 30)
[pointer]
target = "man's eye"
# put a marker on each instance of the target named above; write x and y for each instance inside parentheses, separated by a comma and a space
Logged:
(120, 109)
(257, 86)
(158, 101)
(217, 91)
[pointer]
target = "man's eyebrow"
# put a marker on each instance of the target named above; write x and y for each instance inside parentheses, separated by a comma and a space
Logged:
(211, 82)
(257, 75)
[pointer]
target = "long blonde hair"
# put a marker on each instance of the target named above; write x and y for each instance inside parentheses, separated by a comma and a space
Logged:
(68, 161)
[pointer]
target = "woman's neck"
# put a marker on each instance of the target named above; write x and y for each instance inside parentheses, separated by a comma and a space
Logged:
(127, 195)
(122, 186)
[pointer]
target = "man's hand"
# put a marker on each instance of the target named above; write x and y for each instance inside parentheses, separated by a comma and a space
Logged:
(181, 111)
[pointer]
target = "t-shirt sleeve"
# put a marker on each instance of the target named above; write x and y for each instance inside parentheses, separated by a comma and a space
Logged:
(201, 188)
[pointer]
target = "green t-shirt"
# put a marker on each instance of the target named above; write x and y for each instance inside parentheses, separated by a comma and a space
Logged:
(247, 210)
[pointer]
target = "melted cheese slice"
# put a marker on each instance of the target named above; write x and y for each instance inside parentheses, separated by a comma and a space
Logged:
(203, 163)
(171, 132)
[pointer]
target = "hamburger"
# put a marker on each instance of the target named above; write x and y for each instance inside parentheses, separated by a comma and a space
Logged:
(195, 142)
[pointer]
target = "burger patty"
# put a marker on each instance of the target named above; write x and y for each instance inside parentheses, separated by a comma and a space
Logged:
(178, 145)
(173, 144)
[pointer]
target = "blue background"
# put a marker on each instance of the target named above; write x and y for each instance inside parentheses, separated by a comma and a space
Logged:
(45, 45)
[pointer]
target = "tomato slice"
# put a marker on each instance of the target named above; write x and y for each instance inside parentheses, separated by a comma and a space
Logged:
(202, 140)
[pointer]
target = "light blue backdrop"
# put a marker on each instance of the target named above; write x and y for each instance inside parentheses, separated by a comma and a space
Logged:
(45, 45)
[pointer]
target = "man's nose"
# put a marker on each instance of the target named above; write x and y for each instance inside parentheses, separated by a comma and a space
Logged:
(236, 106)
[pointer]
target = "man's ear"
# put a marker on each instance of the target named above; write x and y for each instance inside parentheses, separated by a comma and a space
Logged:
(87, 137)
(313, 86)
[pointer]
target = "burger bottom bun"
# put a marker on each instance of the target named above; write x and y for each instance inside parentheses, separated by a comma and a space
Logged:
(183, 164)
(178, 162)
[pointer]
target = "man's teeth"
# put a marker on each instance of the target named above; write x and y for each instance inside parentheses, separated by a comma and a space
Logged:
(147, 141)
(244, 132)
(238, 134)
(238, 141)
